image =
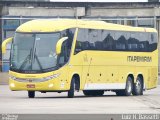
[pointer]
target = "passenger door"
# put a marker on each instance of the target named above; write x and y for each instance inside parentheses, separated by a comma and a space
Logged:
(81, 53)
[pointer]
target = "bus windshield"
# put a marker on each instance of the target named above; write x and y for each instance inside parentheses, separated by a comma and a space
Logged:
(34, 51)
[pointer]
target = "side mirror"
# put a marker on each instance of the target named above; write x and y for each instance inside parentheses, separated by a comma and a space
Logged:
(4, 44)
(59, 45)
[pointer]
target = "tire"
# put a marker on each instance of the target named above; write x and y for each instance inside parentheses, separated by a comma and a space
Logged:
(31, 94)
(93, 92)
(128, 89)
(72, 88)
(138, 87)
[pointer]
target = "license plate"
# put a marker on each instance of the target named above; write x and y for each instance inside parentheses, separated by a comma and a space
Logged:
(30, 85)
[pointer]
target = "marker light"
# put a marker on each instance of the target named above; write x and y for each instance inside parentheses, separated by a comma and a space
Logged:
(12, 85)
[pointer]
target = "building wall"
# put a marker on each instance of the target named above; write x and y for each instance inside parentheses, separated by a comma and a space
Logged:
(125, 12)
(83, 12)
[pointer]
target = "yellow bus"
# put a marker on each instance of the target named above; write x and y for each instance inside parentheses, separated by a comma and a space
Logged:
(68, 55)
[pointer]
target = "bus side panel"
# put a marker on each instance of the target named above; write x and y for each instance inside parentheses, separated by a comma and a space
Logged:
(75, 67)
(153, 71)
(103, 71)
(153, 78)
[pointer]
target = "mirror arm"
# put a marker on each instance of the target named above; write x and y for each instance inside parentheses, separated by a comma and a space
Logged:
(59, 45)
(4, 44)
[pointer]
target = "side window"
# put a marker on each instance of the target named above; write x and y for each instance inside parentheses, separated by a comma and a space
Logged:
(133, 42)
(66, 46)
(108, 40)
(105, 40)
(99, 42)
(152, 42)
(82, 42)
(120, 41)
(143, 42)
(93, 38)
(88, 39)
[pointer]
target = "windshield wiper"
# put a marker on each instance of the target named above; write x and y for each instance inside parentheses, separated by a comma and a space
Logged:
(36, 57)
(26, 60)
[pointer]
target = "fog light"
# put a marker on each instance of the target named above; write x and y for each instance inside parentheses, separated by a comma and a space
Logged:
(12, 85)
(50, 85)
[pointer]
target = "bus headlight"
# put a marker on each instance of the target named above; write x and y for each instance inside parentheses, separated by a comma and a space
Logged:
(12, 85)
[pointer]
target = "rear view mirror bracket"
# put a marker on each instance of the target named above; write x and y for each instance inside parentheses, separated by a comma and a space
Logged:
(4, 44)
(59, 45)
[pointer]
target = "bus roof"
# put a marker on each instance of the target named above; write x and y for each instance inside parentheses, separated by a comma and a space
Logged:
(53, 25)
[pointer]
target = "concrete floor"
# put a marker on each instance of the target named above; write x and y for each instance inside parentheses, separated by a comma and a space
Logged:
(4, 78)
(17, 102)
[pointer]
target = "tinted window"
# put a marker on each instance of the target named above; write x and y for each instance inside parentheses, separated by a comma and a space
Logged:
(152, 42)
(133, 42)
(105, 40)
(93, 37)
(82, 42)
(121, 41)
(66, 46)
(143, 42)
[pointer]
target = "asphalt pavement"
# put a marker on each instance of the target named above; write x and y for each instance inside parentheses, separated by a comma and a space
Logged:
(17, 102)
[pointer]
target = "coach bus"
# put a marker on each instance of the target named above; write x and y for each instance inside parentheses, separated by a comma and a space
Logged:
(68, 55)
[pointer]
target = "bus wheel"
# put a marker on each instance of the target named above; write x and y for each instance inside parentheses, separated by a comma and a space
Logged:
(129, 87)
(138, 87)
(31, 94)
(128, 90)
(72, 88)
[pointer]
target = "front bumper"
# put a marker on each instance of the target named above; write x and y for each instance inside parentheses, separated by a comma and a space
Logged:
(50, 85)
